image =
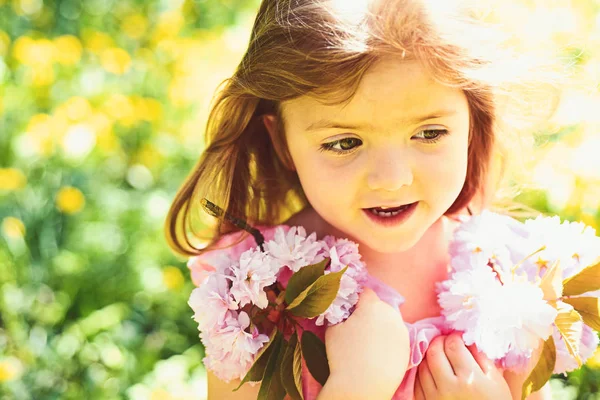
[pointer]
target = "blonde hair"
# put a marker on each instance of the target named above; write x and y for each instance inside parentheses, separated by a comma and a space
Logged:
(323, 49)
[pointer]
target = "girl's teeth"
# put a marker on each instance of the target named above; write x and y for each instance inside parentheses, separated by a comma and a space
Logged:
(387, 213)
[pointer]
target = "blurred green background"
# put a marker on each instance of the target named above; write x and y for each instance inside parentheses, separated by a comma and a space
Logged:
(102, 109)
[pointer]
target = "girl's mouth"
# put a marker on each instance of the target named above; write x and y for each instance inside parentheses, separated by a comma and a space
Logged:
(390, 216)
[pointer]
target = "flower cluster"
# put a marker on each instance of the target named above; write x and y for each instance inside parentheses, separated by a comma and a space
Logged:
(505, 292)
(241, 291)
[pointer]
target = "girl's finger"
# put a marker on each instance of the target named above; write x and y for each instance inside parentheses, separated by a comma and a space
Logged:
(461, 359)
(419, 394)
(438, 363)
(426, 380)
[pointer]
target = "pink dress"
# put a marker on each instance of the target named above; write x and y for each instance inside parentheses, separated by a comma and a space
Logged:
(421, 333)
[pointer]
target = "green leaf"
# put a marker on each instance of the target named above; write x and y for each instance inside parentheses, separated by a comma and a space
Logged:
(542, 371)
(317, 298)
(257, 370)
(298, 366)
(303, 278)
(585, 281)
(313, 350)
(569, 325)
(588, 308)
(291, 370)
(271, 387)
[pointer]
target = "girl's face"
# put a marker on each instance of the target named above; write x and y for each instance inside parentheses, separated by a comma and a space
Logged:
(403, 139)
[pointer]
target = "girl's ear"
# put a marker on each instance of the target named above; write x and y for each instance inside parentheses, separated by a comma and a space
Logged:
(272, 126)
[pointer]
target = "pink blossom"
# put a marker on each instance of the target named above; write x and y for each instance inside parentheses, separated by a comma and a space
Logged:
(201, 266)
(530, 317)
(346, 299)
(212, 302)
(255, 271)
(294, 249)
(225, 251)
(466, 301)
(573, 244)
(488, 237)
(343, 253)
(230, 350)
(497, 318)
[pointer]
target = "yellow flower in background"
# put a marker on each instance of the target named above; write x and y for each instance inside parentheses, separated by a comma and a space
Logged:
(12, 179)
(172, 277)
(594, 360)
(161, 394)
(4, 43)
(14, 228)
(121, 108)
(68, 49)
(70, 200)
(77, 108)
(148, 155)
(22, 49)
(10, 369)
(96, 41)
(41, 75)
(169, 25)
(147, 109)
(101, 124)
(134, 26)
(115, 60)
(34, 52)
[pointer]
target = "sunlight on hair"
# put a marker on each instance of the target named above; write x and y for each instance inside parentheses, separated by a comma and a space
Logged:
(352, 12)
(351, 15)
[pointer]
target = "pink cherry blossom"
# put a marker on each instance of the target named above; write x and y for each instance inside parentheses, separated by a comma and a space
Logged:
(573, 244)
(343, 253)
(212, 302)
(255, 271)
(343, 304)
(201, 266)
(498, 318)
(294, 249)
(225, 252)
(488, 237)
(230, 350)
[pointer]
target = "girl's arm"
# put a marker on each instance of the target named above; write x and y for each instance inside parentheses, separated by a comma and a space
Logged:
(219, 390)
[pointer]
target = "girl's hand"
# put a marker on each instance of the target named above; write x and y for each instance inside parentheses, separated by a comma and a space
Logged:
(452, 370)
(368, 353)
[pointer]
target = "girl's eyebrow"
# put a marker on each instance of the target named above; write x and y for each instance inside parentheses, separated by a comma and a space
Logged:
(328, 124)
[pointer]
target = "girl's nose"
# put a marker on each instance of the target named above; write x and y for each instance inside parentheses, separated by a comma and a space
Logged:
(389, 171)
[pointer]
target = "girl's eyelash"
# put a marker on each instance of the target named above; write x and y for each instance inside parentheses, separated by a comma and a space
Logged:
(330, 146)
(440, 133)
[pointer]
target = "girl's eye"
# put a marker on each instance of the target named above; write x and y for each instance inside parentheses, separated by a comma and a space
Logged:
(432, 135)
(341, 146)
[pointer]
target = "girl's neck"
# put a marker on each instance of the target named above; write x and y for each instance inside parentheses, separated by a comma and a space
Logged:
(428, 252)
(412, 273)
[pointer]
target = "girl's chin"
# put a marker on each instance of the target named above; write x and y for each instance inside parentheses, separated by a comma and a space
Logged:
(389, 245)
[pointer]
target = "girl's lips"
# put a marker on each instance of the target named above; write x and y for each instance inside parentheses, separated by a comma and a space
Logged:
(390, 217)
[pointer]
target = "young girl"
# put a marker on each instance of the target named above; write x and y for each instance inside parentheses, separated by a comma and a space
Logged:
(374, 121)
